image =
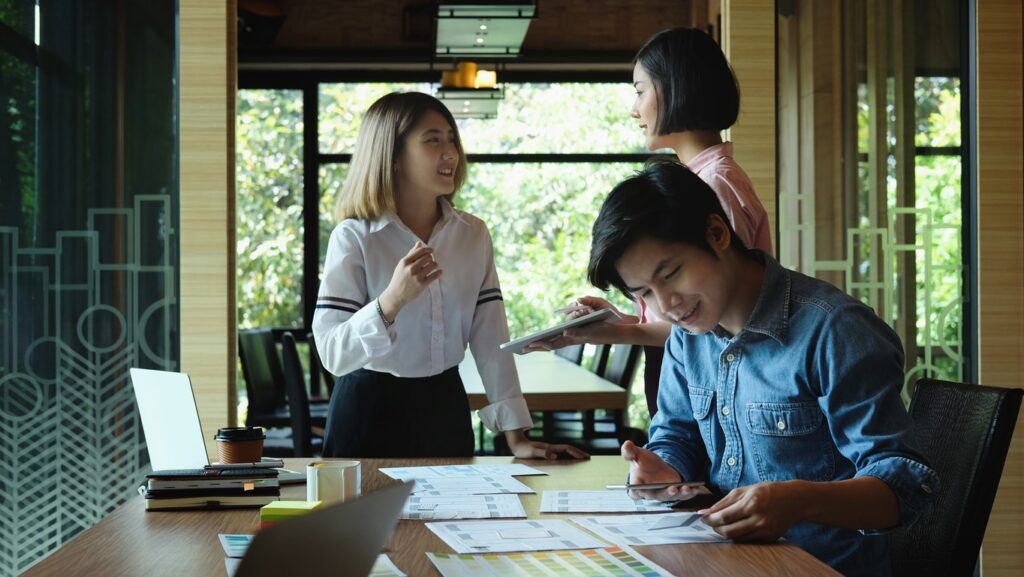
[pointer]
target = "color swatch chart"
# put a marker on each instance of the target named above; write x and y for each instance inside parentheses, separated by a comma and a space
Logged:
(608, 562)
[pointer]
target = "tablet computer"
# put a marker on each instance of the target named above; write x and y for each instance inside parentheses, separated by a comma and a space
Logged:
(517, 345)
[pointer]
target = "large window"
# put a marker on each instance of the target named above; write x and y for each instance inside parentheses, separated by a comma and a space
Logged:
(538, 174)
(872, 162)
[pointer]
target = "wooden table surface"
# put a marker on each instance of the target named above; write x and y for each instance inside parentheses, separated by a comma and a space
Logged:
(550, 383)
(131, 542)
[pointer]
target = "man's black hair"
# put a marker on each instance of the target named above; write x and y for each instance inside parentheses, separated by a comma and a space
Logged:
(664, 201)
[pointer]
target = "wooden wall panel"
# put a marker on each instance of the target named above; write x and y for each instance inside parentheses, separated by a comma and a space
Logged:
(748, 38)
(1000, 257)
(206, 117)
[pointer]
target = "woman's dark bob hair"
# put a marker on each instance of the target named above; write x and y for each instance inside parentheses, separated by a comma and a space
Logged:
(695, 86)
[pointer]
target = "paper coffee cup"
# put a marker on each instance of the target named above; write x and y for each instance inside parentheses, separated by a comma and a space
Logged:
(333, 481)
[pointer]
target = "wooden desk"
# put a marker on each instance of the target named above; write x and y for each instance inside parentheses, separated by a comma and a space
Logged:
(131, 542)
(550, 383)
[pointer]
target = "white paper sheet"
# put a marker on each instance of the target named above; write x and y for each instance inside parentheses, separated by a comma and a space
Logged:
(510, 536)
(641, 529)
(383, 567)
(597, 502)
(234, 545)
(588, 563)
(480, 485)
(423, 506)
(410, 473)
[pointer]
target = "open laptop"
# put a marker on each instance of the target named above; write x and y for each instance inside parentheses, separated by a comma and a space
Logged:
(174, 436)
(341, 540)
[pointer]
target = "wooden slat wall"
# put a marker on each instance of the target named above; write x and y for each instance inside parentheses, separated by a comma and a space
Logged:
(1000, 258)
(206, 116)
(748, 39)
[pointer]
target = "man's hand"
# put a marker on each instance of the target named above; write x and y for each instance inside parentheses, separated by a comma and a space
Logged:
(756, 513)
(646, 467)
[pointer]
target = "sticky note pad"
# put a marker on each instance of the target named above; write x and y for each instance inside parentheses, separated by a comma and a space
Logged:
(281, 510)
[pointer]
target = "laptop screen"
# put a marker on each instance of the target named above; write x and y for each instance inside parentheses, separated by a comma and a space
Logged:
(170, 420)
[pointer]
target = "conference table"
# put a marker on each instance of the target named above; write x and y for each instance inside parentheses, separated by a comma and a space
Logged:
(132, 542)
(550, 383)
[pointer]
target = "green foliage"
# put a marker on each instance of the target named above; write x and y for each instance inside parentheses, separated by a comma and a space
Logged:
(269, 208)
(540, 215)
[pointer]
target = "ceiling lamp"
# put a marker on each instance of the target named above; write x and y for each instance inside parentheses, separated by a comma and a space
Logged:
(471, 102)
(492, 29)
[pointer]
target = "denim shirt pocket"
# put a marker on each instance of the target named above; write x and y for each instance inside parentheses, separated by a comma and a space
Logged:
(789, 441)
(701, 400)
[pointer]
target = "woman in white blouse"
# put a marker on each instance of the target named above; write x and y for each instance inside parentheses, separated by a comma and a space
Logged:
(408, 282)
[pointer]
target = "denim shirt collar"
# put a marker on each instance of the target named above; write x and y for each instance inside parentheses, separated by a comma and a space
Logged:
(771, 313)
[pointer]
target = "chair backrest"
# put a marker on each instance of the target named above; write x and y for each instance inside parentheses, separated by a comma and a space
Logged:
(599, 361)
(572, 353)
(261, 368)
(964, 432)
(298, 399)
(622, 363)
(317, 370)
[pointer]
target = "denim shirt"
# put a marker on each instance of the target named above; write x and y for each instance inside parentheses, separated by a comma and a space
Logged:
(810, 389)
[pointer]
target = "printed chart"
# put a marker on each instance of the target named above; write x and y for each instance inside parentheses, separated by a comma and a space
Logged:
(410, 473)
(511, 536)
(597, 502)
(609, 562)
(651, 529)
(424, 506)
(451, 486)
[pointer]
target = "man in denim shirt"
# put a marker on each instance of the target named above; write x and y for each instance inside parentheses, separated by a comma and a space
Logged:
(779, 390)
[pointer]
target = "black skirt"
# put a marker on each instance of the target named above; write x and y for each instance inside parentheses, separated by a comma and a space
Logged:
(379, 415)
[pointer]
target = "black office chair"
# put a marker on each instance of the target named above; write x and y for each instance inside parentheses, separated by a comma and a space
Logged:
(304, 441)
(264, 382)
(601, 434)
(571, 353)
(964, 432)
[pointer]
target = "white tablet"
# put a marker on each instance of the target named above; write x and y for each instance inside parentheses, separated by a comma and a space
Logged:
(517, 345)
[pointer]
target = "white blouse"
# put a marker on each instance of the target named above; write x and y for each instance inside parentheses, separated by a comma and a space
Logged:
(430, 333)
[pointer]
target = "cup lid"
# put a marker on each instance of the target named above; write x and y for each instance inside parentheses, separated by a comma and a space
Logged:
(239, 434)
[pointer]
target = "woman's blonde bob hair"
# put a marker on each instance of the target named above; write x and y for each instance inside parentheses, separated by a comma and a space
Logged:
(369, 189)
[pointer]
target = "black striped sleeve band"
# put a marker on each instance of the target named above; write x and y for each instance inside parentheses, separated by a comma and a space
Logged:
(334, 303)
(489, 295)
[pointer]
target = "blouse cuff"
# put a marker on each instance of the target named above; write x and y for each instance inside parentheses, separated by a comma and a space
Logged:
(507, 415)
(376, 340)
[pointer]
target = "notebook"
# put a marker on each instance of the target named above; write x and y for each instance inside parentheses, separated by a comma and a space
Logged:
(170, 420)
(341, 540)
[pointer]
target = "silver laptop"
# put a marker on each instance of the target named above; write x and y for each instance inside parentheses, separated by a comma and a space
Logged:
(170, 419)
(341, 540)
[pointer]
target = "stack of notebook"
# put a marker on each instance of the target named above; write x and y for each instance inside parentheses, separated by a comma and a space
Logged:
(211, 488)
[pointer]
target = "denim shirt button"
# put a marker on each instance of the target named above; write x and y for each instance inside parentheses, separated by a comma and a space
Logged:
(725, 411)
(730, 358)
(731, 462)
(781, 425)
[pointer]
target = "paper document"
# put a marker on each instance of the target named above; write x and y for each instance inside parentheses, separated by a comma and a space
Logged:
(651, 529)
(234, 545)
(609, 562)
(383, 567)
(453, 486)
(509, 536)
(423, 506)
(597, 502)
(410, 473)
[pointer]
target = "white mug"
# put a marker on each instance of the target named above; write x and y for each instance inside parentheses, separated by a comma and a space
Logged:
(333, 481)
